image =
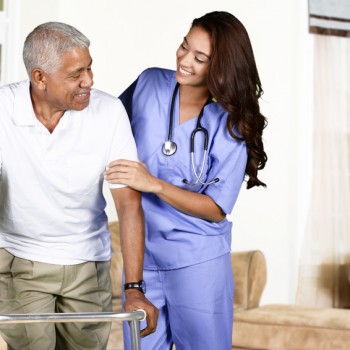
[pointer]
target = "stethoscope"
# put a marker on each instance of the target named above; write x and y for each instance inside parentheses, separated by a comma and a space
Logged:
(170, 147)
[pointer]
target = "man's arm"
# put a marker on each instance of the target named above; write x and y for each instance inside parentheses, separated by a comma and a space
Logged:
(132, 238)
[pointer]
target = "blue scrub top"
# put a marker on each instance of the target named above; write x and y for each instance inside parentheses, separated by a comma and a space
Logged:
(175, 239)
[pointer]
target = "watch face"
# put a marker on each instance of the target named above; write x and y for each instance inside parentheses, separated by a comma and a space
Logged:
(142, 284)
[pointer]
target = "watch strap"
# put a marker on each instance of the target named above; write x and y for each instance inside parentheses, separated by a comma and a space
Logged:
(140, 285)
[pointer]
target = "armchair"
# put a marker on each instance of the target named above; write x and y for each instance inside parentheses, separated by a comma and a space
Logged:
(280, 327)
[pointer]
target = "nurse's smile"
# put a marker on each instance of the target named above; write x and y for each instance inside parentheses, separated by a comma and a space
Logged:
(184, 72)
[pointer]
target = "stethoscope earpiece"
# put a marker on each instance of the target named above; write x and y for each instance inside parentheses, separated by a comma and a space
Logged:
(170, 147)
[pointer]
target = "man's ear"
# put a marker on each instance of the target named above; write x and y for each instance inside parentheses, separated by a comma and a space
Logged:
(38, 78)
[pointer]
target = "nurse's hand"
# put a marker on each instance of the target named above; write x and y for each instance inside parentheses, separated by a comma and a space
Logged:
(132, 174)
(136, 300)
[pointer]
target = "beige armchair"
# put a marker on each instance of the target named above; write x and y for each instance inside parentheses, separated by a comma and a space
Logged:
(280, 327)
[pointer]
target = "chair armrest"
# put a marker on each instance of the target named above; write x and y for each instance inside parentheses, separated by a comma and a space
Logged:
(250, 274)
(116, 262)
(3, 345)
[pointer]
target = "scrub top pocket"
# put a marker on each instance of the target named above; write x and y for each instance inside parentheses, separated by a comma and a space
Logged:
(176, 172)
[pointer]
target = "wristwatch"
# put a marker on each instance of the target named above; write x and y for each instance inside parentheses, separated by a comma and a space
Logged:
(140, 285)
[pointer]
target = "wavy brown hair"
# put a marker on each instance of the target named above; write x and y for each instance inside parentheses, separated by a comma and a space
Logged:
(234, 81)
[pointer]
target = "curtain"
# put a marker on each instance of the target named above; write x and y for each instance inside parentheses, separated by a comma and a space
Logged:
(325, 253)
(329, 17)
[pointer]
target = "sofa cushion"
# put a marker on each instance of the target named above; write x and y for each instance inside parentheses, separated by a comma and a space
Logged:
(292, 327)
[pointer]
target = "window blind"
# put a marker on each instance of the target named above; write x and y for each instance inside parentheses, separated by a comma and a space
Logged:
(329, 17)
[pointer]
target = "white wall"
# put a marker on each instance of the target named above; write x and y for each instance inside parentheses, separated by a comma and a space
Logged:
(130, 36)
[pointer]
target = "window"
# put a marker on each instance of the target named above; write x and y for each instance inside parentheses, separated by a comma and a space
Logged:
(3, 37)
(0, 60)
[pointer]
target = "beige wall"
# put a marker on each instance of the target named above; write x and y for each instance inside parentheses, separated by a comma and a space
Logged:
(128, 36)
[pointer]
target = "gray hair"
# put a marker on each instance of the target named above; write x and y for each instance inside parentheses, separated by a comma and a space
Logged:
(44, 46)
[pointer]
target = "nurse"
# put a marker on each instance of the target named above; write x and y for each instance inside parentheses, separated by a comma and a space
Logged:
(191, 182)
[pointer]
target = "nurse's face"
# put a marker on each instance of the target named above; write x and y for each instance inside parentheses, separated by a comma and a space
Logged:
(193, 57)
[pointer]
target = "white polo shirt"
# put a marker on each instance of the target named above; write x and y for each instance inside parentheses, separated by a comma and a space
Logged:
(51, 201)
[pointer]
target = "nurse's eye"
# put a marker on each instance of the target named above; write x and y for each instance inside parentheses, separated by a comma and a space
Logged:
(199, 60)
(183, 47)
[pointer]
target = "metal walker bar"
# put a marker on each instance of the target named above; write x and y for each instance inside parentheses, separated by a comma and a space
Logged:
(134, 319)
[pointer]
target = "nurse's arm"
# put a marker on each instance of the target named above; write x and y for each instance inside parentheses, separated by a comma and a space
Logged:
(137, 176)
(132, 239)
(195, 204)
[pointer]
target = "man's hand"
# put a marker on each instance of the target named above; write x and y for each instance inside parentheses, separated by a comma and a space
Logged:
(136, 300)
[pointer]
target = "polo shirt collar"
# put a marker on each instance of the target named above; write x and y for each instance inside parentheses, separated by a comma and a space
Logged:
(23, 113)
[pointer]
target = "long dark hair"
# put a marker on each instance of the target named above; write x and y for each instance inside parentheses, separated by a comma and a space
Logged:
(234, 81)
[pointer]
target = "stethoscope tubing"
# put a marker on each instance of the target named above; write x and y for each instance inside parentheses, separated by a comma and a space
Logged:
(198, 177)
(199, 128)
(170, 147)
(171, 119)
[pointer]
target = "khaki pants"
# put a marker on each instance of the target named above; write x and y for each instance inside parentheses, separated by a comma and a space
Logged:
(33, 287)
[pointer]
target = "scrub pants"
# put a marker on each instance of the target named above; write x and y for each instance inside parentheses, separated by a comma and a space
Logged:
(33, 287)
(195, 307)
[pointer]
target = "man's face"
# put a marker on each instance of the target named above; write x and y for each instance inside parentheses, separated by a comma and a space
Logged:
(69, 87)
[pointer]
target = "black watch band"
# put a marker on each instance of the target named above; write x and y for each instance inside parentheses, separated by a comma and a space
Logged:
(140, 285)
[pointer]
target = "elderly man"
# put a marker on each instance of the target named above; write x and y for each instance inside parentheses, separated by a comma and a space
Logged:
(56, 136)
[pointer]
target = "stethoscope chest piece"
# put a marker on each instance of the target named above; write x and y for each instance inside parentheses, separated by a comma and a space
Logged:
(169, 148)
